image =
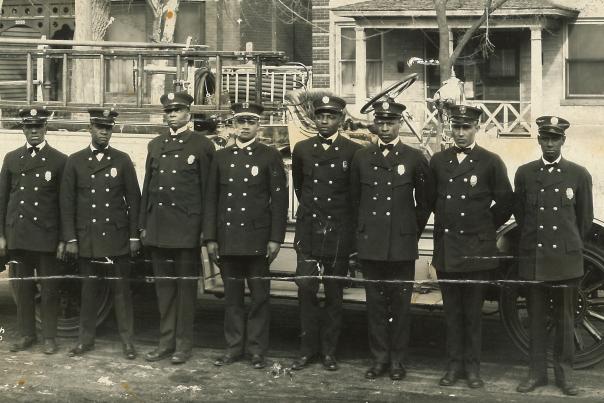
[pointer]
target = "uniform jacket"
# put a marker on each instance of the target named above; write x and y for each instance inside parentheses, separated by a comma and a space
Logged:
(554, 211)
(466, 221)
(247, 199)
(100, 202)
(29, 199)
(389, 218)
(176, 173)
(322, 184)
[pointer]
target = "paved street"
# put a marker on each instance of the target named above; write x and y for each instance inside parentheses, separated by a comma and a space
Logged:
(104, 376)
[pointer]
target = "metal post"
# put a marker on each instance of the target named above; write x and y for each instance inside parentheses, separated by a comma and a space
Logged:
(218, 84)
(259, 80)
(64, 74)
(102, 80)
(29, 79)
(139, 81)
(178, 84)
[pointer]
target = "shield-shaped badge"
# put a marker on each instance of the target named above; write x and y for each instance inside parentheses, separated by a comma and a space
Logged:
(171, 96)
(400, 169)
(191, 159)
(569, 193)
(473, 180)
(345, 165)
(113, 172)
(48, 176)
(254, 170)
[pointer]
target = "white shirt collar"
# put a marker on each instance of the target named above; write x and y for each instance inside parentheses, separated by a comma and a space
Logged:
(393, 142)
(92, 148)
(243, 145)
(40, 146)
(471, 146)
(179, 130)
(557, 160)
(333, 137)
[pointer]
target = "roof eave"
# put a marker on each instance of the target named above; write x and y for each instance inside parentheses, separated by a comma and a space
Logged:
(559, 13)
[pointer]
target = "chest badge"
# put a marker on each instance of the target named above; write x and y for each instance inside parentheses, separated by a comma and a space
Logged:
(473, 180)
(113, 172)
(569, 193)
(345, 166)
(47, 176)
(191, 159)
(254, 170)
(400, 169)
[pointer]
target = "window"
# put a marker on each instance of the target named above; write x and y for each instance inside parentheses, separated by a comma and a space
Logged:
(373, 78)
(585, 60)
(502, 64)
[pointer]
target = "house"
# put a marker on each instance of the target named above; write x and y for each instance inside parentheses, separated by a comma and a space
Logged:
(548, 57)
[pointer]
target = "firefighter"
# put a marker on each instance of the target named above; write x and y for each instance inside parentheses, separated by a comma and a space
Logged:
(30, 226)
(392, 192)
(244, 227)
(324, 236)
(554, 212)
(100, 200)
(474, 198)
(170, 220)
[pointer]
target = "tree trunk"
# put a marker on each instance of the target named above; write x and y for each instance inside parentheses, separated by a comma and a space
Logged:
(92, 21)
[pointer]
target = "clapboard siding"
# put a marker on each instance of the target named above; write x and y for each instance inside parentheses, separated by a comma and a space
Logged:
(15, 67)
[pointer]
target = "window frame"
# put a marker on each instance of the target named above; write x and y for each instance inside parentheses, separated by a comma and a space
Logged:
(566, 62)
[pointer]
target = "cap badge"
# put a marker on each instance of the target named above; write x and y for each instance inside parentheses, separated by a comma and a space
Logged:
(171, 96)
(462, 109)
(33, 112)
(48, 176)
(254, 170)
(245, 105)
(385, 106)
(554, 121)
(569, 193)
(473, 180)
(113, 172)
(325, 100)
(191, 159)
(344, 165)
(400, 169)
(106, 112)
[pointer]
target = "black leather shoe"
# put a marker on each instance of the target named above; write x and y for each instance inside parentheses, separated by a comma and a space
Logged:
(157, 355)
(129, 351)
(450, 378)
(80, 349)
(567, 388)
(530, 384)
(376, 370)
(330, 363)
(180, 357)
(50, 346)
(23, 344)
(258, 361)
(397, 371)
(473, 380)
(302, 362)
(227, 359)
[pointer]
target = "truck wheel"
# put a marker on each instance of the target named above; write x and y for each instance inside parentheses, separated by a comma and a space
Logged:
(69, 305)
(589, 314)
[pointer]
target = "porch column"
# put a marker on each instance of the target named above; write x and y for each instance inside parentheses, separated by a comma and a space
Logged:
(536, 74)
(360, 65)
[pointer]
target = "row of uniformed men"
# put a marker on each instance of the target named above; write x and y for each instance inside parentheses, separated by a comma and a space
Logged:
(393, 191)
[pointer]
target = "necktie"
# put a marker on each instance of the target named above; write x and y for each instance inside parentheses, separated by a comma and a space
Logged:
(33, 149)
(388, 147)
(96, 152)
(323, 140)
(459, 150)
(550, 167)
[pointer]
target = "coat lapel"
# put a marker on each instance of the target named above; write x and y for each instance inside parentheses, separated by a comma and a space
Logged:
(176, 143)
(321, 154)
(468, 164)
(547, 178)
(96, 165)
(377, 158)
(29, 162)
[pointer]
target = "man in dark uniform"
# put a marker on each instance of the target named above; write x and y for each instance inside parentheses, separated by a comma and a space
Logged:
(474, 198)
(244, 226)
(30, 226)
(324, 236)
(391, 192)
(172, 209)
(554, 211)
(100, 200)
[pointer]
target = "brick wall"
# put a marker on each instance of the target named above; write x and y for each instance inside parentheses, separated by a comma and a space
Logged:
(320, 43)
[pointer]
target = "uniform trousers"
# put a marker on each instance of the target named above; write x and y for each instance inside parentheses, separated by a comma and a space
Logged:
(177, 274)
(235, 271)
(564, 297)
(320, 326)
(388, 305)
(46, 265)
(462, 303)
(93, 273)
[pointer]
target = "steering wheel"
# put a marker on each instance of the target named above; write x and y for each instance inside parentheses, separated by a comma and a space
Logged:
(391, 92)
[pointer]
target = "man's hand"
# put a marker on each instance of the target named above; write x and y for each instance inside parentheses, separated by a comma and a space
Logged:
(71, 251)
(2, 246)
(61, 250)
(272, 249)
(213, 252)
(135, 247)
(143, 236)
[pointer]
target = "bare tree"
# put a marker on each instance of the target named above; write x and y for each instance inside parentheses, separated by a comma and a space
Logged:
(92, 21)
(447, 59)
